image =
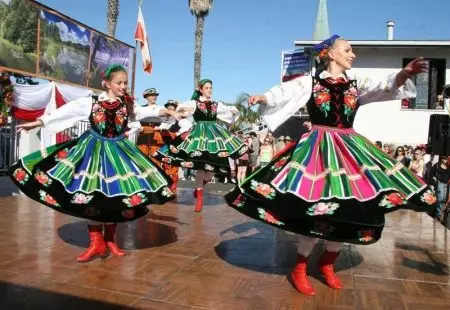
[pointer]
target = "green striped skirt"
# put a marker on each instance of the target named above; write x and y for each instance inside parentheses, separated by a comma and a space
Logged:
(93, 177)
(208, 146)
(333, 184)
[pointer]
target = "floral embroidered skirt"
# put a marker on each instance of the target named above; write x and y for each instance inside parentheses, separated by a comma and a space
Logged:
(208, 147)
(334, 184)
(93, 177)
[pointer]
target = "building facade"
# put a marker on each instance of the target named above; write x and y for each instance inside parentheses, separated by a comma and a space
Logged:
(400, 122)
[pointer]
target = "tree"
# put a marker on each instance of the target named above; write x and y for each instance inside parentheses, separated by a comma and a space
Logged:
(112, 16)
(249, 116)
(199, 8)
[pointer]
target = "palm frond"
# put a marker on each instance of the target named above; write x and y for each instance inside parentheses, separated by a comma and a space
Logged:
(200, 7)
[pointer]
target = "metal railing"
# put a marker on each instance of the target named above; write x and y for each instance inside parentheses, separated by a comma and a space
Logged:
(73, 132)
(9, 142)
(9, 146)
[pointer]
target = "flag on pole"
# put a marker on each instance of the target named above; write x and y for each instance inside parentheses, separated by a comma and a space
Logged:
(141, 37)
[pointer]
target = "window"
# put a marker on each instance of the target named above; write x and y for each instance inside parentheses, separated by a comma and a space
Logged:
(429, 87)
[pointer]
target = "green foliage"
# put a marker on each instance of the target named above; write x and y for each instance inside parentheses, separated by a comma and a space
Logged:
(249, 115)
(18, 24)
(51, 32)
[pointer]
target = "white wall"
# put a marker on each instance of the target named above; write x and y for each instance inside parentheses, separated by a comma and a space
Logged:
(386, 121)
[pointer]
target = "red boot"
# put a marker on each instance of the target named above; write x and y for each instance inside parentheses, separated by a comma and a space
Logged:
(110, 232)
(300, 277)
(199, 205)
(97, 245)
(195, 190)
(327, 269)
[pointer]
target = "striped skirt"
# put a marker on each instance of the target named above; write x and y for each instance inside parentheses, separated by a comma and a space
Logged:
(208, 146)
(333, 184)
(93, 177)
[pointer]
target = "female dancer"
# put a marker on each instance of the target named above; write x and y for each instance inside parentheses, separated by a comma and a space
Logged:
(333, 184)
(209, 145)
(100, 176)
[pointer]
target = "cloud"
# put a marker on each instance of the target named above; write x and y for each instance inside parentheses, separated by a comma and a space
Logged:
(6, 1)
(70, 35)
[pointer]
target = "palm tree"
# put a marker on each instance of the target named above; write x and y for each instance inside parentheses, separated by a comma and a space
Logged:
(112, 16)
(249, 116)
(199, 8)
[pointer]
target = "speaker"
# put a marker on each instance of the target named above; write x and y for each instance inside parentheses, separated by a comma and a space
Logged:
(439, 135)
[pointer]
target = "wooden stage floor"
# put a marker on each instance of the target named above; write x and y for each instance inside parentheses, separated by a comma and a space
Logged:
(218, 259)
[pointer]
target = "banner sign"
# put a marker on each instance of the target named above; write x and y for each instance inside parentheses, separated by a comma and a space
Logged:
(295, 63)
(38, 41)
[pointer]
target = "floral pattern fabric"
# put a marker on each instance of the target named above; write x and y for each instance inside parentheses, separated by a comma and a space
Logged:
(109, 118)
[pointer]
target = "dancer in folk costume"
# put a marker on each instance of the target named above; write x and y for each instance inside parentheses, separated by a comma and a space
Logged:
(209, 145)
(150, 139)
(173, 133)
(333, 184)
(100, 176)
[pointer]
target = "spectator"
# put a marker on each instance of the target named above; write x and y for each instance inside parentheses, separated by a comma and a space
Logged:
(280, 144)
(417, 164)
(288, 141)
(399, 155)
(440, 176)
(266, 153)
(379, 144)
(254, 151)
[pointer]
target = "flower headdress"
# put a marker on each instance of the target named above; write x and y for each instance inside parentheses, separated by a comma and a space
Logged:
(321, 49)
(106, 75)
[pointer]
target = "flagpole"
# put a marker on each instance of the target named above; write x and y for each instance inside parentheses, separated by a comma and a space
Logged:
(133, 76)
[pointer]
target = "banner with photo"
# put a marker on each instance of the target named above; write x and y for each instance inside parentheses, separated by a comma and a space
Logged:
(38, 41)
(295, 63)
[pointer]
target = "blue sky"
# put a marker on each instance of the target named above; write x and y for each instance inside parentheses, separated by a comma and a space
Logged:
(244, 38)
(67, 30)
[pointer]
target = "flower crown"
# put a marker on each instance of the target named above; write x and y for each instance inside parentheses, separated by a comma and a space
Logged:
(105, 75)
(321, 50)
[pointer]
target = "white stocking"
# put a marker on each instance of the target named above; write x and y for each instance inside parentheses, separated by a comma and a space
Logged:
(208, 176)
(199, 177)
(305, 245)
(332, 246)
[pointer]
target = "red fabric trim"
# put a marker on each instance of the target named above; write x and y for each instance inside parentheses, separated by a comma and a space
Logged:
(27, 115)
(59, 99)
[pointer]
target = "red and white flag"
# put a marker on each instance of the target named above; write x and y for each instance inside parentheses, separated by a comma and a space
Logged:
(141, 36)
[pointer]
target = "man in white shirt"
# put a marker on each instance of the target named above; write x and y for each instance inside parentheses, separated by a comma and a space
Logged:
(149, 141)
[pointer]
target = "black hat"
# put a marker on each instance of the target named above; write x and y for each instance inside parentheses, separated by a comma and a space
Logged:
(172, 103)
(149, 92)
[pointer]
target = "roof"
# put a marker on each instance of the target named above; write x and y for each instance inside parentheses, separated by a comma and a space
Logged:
(384, 43)
(321, 30)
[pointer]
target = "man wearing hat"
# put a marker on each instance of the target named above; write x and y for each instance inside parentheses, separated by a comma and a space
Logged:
(151, 95)
(150, 140)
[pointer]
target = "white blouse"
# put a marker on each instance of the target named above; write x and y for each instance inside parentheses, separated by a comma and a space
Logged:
(227, 114)
(80, 110)
(284, 100)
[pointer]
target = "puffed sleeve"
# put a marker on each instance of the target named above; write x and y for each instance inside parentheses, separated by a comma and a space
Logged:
(67, 115)
(227, 113)
(185, 126)
(284, 100)
(145, 112)
(188, 107)
(384, 89)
